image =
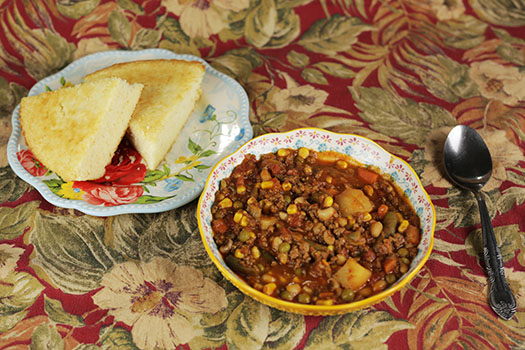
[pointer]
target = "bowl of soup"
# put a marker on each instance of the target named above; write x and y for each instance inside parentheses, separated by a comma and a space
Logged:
(315, 222)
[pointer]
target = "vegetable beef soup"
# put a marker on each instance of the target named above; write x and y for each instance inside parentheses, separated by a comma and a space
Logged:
(313, 227)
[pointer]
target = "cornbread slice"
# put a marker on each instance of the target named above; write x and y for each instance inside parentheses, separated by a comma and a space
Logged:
(75, 131)
(171, 90)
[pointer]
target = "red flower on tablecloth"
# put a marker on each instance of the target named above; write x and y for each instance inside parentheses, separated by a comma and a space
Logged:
(30, 163)
(126, 167)
(107, 195)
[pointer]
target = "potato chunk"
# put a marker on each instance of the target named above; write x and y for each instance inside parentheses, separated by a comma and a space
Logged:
(352, 275)
(352, 201)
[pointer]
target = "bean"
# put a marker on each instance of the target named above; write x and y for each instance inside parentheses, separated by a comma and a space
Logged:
(304, 298)
(268, 278)
(341, 259)
(347, 295)
(402, 252)
(403, 268)
(286, 295)
(390, 278)
(379, 286)
(276, 242)
(284, 247)
(294, 289)
(365, 292)
(375, 228)
(308, 289)
(283, 258)
(405, 260)
(244, 235)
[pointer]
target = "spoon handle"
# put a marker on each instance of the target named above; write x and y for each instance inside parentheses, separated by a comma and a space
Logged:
(501, 298)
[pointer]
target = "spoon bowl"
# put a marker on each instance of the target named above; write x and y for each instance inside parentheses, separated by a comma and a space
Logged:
(467, 158)
(468, 163)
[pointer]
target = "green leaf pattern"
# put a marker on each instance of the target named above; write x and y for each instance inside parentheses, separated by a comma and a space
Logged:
(397, 83)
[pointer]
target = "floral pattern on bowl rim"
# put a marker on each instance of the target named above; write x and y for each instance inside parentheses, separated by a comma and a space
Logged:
(218, 125)
(361, 149)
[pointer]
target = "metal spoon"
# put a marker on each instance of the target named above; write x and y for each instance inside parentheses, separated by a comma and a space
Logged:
(468, 163)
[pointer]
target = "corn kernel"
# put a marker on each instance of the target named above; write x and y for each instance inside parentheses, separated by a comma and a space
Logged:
(269, 288)
(266, 184)
(292, 209)
(308, 170)
(226, 203)
(265, 175)
(251, 201)
(293, 289)
(303, 152)
(252, 235)
(403, 226)
(329, 179)
(241, 189)
(351, 220)
(341, 164)
(367, 217)
(282, 152)
(237, 217)
(369, 190)
(256, 253)
(325, 302)
(244, 221)
(287, 186)
(328, 201)
(330, 247)
(238, 254)
(267, 278)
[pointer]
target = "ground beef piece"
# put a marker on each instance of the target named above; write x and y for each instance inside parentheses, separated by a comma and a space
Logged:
(385, 247)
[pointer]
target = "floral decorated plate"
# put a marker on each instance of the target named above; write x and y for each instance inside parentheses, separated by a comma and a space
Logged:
(218, 126)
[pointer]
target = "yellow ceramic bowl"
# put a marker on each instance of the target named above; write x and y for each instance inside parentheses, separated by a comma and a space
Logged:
(361, 149)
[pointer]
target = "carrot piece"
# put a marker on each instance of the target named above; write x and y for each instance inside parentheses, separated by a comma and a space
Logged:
(219, 226)
(367, 176)
(382, 210)
(412, 234)
(390, 263)
(324, 295)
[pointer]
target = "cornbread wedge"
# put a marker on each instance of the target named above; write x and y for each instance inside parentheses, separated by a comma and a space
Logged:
(171, 90)
(75, 131)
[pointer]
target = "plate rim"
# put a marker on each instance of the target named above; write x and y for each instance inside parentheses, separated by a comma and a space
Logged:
(141, 208)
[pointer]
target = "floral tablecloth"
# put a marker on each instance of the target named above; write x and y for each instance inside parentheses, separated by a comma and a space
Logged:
(400, 72)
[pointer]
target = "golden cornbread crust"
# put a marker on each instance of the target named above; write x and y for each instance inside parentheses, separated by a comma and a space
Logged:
(171, 90)
(74, 131)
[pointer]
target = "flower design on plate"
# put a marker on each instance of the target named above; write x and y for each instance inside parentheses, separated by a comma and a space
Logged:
(30, 163)
(107, 195)
(161, 300)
